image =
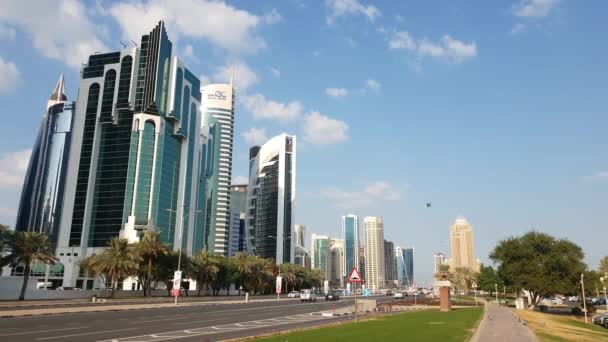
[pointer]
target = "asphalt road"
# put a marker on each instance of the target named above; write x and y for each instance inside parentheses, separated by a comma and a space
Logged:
(200, 323)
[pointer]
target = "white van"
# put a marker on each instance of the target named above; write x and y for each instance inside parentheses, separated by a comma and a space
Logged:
(307, 295)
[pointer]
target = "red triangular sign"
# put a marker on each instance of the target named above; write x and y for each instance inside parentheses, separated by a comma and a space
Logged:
(355, 277)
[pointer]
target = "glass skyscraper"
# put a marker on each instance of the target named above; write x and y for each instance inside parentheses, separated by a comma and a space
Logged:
(137, 153)
(350, 234)
(41, 202)
(271, 198)
(238, 207)
(408, 259)
(319, 250)
(400, 263)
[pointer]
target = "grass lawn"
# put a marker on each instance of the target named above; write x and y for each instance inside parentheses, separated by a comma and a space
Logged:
(557, 328)
(427, 325)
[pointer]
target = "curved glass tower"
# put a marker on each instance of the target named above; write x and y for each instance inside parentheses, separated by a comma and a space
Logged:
(42, 195)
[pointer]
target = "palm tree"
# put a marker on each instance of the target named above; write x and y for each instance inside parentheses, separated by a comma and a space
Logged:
(288, 272)
(244, 268)
(205, 269)
(4, 235)
(149, 248)
(118, 261)
(26, 248)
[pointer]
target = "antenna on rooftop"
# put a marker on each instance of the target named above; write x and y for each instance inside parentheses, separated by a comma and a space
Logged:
(124, 46)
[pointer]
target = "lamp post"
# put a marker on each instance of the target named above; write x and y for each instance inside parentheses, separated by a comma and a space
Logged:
(604, 279)
(584, 300)
(496, 292)
(181, 240)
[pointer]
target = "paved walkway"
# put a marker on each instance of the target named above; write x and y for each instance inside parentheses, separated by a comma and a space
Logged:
(500, 324)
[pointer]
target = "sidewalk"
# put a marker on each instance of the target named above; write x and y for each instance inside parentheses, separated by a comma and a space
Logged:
(500, 324)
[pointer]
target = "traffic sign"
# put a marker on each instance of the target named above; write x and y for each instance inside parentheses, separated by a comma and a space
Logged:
(279, 284)
(177, 280)
(355, 276)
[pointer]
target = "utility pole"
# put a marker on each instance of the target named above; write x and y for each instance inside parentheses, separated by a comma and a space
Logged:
(584, 300)
(603, 280)
(496, 292)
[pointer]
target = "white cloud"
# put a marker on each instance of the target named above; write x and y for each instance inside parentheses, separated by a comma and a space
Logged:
(10, 77)
(373, 85)
(336, 92)
(338, 8)
(188, 51)
(205, 80)
(448, 48)
(225, 26)
(275, 72)
(12, 168)
(322, 130)
(255, 136)
(244, 76)
(262, 108)
(601, 175)
(7, 215)
(240, 180)
(350, 41)
(534, 8)
(59, 29)
(316, 53)
(373, 193)
(518, 28)
(273, 17)
(7, 32)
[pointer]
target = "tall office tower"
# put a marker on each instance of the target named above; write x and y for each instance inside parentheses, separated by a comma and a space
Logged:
(402, 277)
(374, 252)
(361, 265)
(319, 254)
(350, 234)
(336, 262)
(299, 235)
(438, 261)
(218, 127)
(238, 208)
(463, 245)
(301, 256)
(390, 267)
(135, 153)
(408, 258)
(41, 202)
(271, 197)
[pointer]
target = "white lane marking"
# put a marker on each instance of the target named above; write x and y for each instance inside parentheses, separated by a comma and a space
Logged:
(41, 331)
(201, 321)
(157, 320)
(83, 334)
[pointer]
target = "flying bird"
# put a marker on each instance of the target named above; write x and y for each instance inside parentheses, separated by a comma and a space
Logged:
(429, 204)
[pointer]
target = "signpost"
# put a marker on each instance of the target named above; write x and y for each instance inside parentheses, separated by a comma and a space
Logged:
(278, 286)
(355, 278)
(177, 284)
(474, 286)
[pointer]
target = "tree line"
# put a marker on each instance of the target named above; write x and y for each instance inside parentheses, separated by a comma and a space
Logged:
(536, 262)
(151, 262)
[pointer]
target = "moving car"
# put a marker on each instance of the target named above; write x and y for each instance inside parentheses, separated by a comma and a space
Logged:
(293, 294)
(306, 295)
(398, 295)
(333, 296)
(601, 320)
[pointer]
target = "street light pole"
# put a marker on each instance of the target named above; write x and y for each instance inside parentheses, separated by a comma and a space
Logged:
(179, 257)
(603, 280)
(496, 292)
(584, 300)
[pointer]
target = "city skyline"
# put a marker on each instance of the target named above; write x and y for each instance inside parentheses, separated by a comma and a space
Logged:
(440, 128)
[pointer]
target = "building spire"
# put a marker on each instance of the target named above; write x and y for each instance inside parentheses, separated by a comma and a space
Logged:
(59, 92)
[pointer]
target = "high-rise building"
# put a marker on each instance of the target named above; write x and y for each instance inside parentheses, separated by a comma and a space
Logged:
(350, 235)
(299, 235)
(374, 252)
(402, 278)
(218, 113)
(319, 254)
(361, 262)
(336, 262)
(408, 259)
(41, 202)
(238, 208)
(271, 196)
(463, 245)
(390, 266)
(136, 153)
(438, 260)
(301, 256)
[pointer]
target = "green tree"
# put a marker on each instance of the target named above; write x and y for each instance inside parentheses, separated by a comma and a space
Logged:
(149, 248)
(5, 233)
(120, 260)
(205, 269)
(244, 269)
(225, 275)
(487, 279)
(26, 248)
(603, 265)
(540, 264)
(288, 272)
(166, 266)
(463, 278)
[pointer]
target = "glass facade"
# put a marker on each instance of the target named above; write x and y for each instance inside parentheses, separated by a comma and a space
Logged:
(350, 234)
(41, 202)
(408, 259)
(321, 255)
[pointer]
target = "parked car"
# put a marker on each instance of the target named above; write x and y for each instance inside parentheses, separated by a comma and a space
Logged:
(573, 299)
(601, 320)
(68, 288)
(306, 295)
(398, 295)
(600, 301)
(293, 294)
(333, 296)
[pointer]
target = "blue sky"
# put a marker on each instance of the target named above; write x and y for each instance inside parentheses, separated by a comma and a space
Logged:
(495, 110)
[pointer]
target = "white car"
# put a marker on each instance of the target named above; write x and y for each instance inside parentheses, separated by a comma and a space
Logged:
(307, 295)
(293, 294)
(398, 295)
